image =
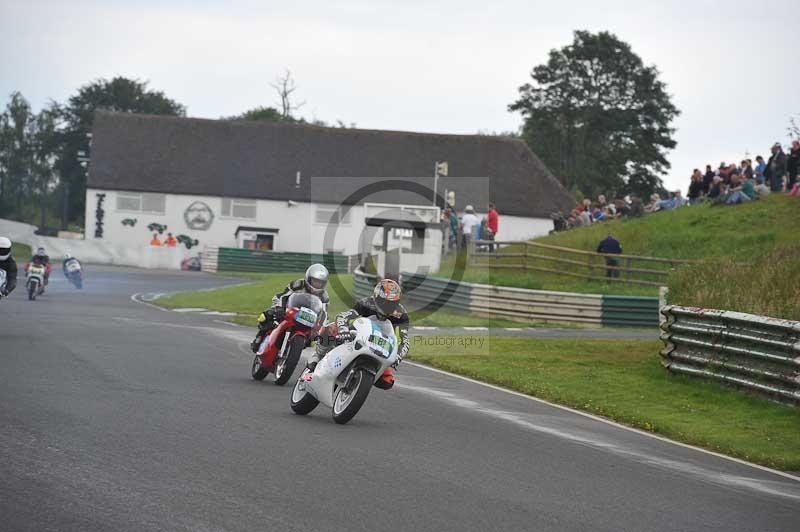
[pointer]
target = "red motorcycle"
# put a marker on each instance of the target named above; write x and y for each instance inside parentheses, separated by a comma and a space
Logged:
(280, 350)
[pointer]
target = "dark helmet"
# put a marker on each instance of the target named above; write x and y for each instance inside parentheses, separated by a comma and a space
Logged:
(387, 297)
(316, 279)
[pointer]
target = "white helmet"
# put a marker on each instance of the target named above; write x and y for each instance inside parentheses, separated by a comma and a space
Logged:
(316, 279)
(5, 248)
(67, 256)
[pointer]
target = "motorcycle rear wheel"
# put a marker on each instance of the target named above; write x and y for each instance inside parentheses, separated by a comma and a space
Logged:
(348, 401)
(257, 371)
(285, 367)
(302, 402)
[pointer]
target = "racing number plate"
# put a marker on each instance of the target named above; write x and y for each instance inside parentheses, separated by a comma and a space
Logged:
(380, 345)
(306, 316)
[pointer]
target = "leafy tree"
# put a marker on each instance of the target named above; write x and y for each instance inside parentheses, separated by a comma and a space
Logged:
(268, 114)
(598, 117)
(118, 94)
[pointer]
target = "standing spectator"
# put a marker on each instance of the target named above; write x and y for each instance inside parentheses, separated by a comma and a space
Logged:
(708, 180)
(453, 229)
(695, 188)
(492, 222)
(610, 245)
(793, 164)
(761, 166)
(155, 241)
(170, 242)
(468, 222)
(776, 168)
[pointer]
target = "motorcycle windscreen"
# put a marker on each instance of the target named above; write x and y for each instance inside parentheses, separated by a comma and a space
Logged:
(309, 306)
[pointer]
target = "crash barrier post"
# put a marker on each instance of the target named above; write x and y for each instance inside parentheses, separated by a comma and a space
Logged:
(521, 304)
(757, 353)
(557, 260)
(209, 258)
(248, 260)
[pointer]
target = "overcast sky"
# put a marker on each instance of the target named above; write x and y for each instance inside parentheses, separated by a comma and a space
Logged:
(446, 66)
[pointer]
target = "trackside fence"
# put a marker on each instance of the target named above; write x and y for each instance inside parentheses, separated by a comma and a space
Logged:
(753, 352)
(557, 260)
(247, 260)
(534, 306)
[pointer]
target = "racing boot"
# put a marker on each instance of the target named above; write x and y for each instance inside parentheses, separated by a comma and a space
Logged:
(386, 380)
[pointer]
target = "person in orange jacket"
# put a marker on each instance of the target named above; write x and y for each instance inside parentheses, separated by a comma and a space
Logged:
(156, 241)
(170, 242)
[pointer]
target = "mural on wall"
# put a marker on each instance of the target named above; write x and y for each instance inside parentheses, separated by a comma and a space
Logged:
(187, 241)
(198, 216)
(157, 228)
(129, 222)
(99, 215)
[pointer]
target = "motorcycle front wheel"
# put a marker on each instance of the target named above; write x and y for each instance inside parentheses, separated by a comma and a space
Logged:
(285, 367)
(347, 401)
(257, 371)
(31, 291)
(302, 402)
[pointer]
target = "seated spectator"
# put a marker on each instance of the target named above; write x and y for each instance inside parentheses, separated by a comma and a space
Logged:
(762, 190)
(637, 208)
(674, 202)
(741, 191)
(586, 217)
(654, 205)
(747, 169)
(622, 208)
(598, 215)
(716, 188)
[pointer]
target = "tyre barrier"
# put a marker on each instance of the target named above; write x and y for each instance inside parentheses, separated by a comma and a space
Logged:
(754, 352)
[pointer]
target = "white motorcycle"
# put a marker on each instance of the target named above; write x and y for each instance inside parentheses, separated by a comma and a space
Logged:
(342, 380)
(35, 282)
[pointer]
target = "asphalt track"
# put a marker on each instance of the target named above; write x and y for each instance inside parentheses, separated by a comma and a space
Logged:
(117, 416)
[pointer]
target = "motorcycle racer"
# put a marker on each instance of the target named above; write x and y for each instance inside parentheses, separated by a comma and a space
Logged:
(314, 282)
(383, 304)
(9, 265)
(41, 257)
(67, 259)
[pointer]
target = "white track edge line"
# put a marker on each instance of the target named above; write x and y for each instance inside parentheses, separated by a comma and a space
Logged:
(135, 298)
(608, 421)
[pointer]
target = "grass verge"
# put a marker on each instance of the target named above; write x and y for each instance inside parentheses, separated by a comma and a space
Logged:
(622, 380)
(20, 252)
(251, 299)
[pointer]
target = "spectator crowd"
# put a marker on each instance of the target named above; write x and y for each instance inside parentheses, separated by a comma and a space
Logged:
(729, 184)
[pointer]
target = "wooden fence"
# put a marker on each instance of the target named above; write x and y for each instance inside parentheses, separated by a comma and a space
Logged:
(556, 260)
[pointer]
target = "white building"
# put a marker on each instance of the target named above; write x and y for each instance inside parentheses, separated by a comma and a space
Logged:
(298, 188)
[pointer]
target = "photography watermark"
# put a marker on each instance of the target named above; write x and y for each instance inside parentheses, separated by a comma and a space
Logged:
(399, 228)
(452, 344)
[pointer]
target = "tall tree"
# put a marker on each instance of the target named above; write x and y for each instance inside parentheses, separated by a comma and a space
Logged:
(118, 94)
(15, 154)
(598, 117)
(285, 86)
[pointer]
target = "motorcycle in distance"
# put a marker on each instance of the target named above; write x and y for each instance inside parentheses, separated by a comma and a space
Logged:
(74, 274)
(35, 280)
(343, 379)
(280, 351)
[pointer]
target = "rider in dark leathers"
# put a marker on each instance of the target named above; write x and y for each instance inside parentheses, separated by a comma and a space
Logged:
(9, 265)
(314, 282)
(384, 304)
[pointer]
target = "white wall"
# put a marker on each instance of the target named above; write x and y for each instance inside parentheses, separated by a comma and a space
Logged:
(520, 227)
(298, 230)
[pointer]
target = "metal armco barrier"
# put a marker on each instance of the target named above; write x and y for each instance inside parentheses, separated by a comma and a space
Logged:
(540, 306)
(246, 260)
(754, 352)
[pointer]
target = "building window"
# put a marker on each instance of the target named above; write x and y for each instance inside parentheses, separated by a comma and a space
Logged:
(332, 215)
(146, 202)
(239, 208)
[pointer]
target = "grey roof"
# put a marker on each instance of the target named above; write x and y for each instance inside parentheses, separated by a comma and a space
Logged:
(261, 159)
